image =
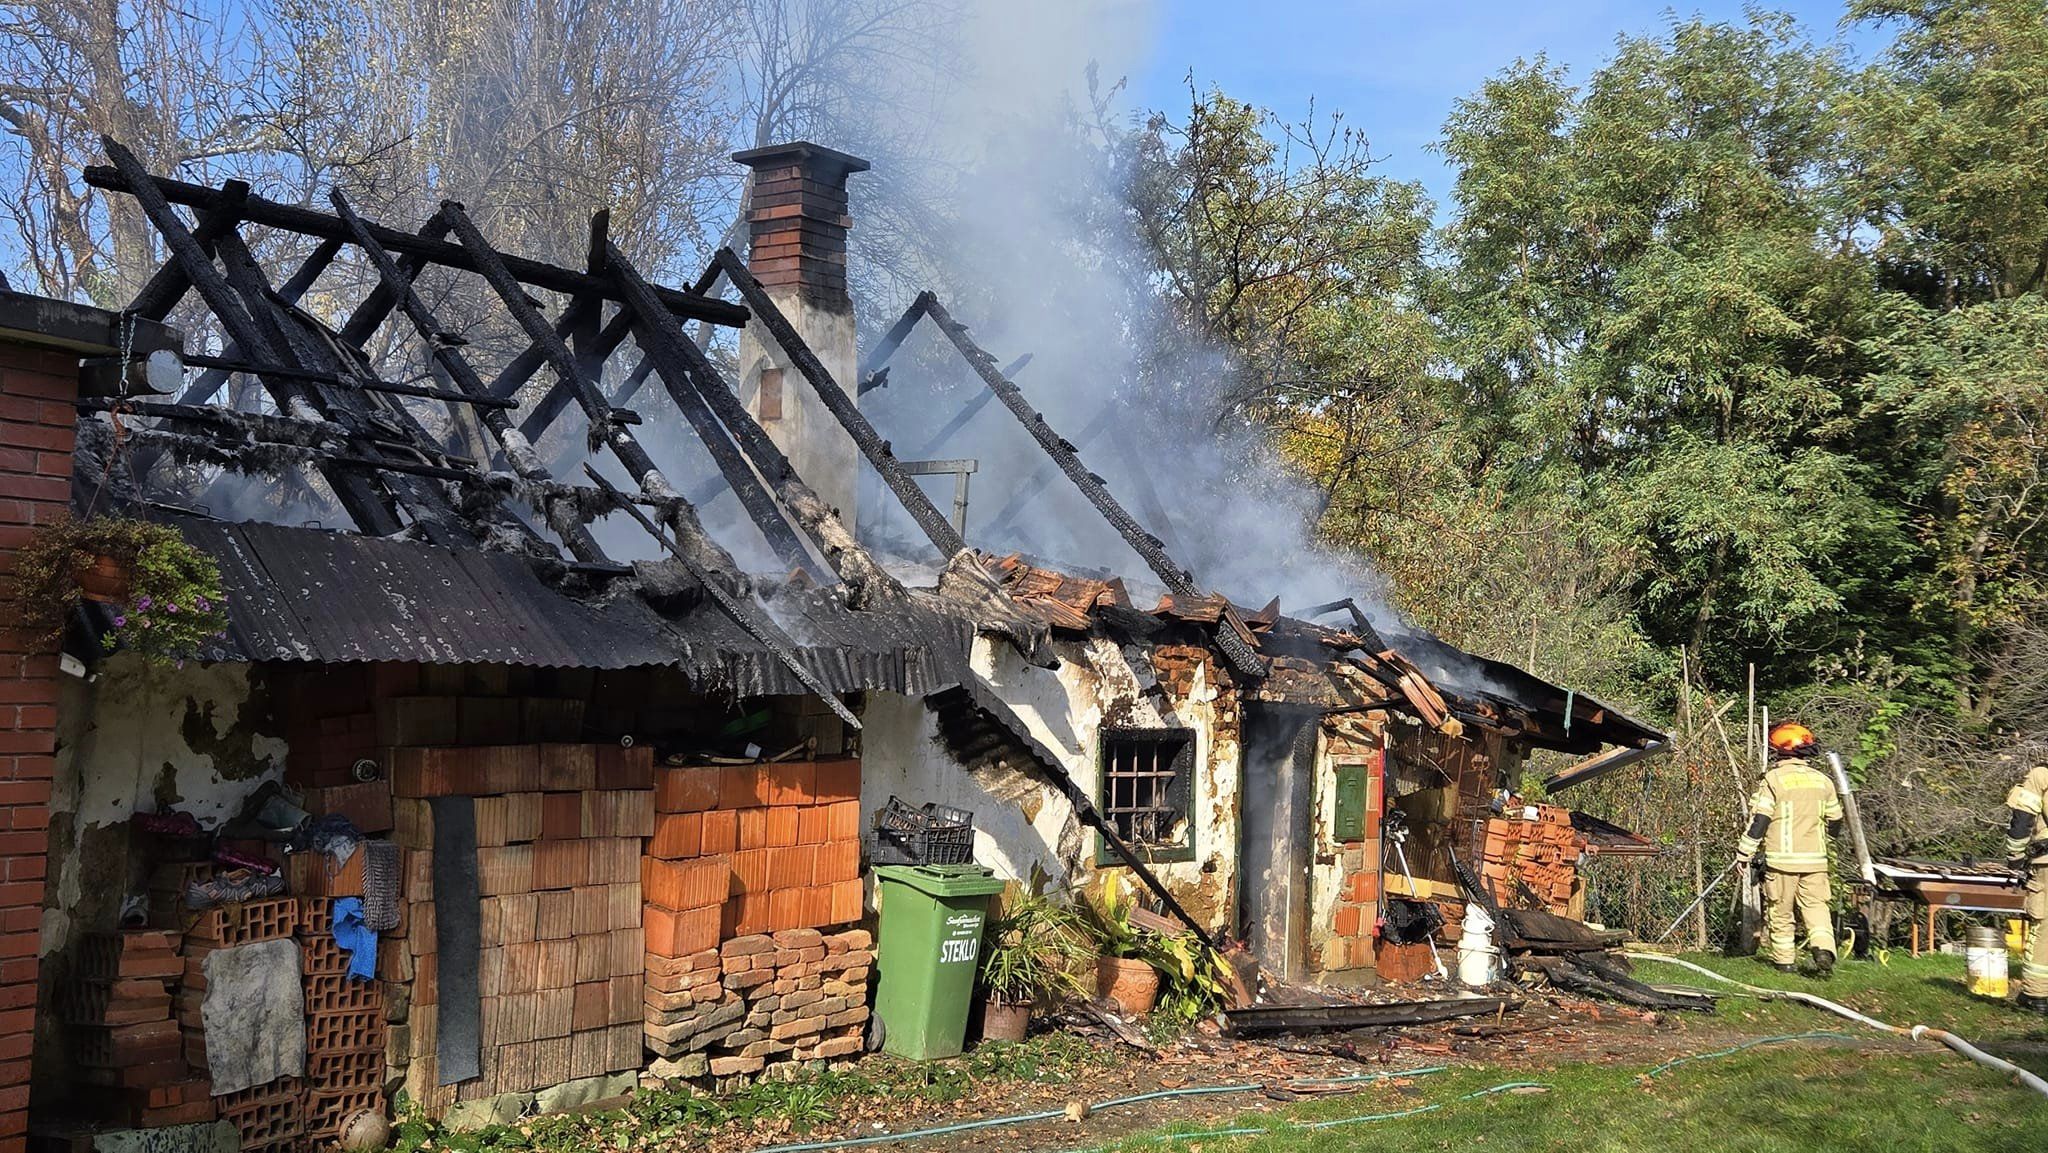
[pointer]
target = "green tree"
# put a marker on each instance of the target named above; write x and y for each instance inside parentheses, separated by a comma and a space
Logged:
(1655, 303)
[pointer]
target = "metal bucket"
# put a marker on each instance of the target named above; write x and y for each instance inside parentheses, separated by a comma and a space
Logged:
(1984, 958)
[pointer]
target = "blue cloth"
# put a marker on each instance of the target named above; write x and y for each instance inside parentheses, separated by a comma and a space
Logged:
(356, 936)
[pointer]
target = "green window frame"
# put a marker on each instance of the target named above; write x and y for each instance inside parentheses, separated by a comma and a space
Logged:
(1146, 792)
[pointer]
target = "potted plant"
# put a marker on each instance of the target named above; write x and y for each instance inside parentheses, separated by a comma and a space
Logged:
(1029, 956)
(1123, 973)
(164, 596)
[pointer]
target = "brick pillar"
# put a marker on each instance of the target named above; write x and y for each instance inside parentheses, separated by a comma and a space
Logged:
(42, 346)
(797, 220)
(38, 388)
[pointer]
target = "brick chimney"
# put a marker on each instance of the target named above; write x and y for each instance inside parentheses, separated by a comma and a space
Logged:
(797, 220)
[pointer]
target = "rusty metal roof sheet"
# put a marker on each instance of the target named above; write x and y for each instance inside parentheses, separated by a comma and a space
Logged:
(302, 594)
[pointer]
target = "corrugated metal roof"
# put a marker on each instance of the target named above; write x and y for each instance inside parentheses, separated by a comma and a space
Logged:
(301, 594)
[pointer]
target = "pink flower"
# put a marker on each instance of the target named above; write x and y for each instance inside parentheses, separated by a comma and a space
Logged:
(171, 606)
(143, 603)
(120, 621)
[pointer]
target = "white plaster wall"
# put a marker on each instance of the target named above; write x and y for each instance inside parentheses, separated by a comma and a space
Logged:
(815, 442)
(122, 740)
(1022, 823)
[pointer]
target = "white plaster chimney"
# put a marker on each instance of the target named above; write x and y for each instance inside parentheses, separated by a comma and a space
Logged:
(797, 218)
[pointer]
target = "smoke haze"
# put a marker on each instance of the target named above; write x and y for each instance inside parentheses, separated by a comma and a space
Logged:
(1039, 257)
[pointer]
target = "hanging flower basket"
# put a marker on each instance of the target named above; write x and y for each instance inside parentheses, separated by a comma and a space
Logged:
(104, 581)
(164, 595)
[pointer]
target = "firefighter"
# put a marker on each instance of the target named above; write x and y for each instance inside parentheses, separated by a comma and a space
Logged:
(2026, 853)
(1794, 809)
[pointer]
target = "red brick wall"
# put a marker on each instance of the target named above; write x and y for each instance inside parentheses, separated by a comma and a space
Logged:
(37, 422)
(797, 219)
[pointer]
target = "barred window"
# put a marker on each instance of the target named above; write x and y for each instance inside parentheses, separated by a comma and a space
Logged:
(1148, 790)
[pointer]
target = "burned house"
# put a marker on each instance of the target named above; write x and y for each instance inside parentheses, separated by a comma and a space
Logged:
(590, 792)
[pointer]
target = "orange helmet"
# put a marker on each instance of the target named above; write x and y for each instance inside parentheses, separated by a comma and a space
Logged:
(1791, 738)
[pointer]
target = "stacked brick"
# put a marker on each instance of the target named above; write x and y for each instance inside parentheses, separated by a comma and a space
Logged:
(123, 1030)
(795, 995)
(1538, 855)
(267, 1116)
(345, 1027)
(742, 850)
(560, 832)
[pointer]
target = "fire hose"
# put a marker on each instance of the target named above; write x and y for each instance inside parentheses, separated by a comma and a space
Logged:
(1916, 1032)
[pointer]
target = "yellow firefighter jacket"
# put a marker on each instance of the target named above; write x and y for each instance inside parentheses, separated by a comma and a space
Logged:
(1799, 800)
(2027, 799)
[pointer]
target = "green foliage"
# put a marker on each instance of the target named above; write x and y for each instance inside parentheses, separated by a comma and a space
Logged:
(172, 606)
(1035, 951)
(1193, 980)
(1731, 351)
(1109, 921)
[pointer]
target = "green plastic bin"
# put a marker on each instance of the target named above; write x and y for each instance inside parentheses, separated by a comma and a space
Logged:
(929, 941)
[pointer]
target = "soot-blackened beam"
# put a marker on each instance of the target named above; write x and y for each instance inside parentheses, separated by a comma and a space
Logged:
(521, 368)
(200, 391)
(891, 340)
(937, 528)
(969, 411)
(369, 508)
(591, 354)
(691, 378)
(370, 315)
(518, 451)
(309, 349)
(309, 222)
(1141, 479)
(623, 444)
(1241, 656)
(168, 285)
(227, 367)
(750, 623)
(781, 537)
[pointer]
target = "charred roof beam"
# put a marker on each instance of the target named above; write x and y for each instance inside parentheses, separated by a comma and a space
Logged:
(308, 222)
(780, 536)
(370, 509)
(518, 451)
(693, 381)
(937, 528)
(310, 350)
(168, 285)
(741, 615)
(1230, 639)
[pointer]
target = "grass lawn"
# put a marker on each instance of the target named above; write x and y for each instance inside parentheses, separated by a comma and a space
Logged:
(1808, 1096)
(1871, 1092)
(1857, 1089)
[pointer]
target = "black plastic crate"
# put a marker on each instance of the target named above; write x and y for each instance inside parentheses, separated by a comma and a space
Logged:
(934, 834)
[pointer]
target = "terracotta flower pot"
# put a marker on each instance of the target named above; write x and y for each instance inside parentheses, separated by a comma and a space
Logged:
(1133, 985)
(1005, 1021)
(105, 581)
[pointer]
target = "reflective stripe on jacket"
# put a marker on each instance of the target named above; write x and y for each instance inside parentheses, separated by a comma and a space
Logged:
(1800, 801)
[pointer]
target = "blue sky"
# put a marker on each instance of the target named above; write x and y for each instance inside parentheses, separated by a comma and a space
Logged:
(1394, 68)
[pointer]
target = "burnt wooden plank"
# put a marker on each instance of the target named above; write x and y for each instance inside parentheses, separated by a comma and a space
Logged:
(937, 528)
(525, 462)
(310, 222)
(370, 509)
(1242, 656)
